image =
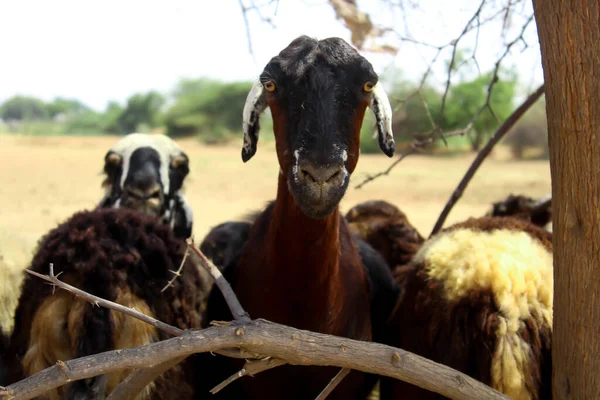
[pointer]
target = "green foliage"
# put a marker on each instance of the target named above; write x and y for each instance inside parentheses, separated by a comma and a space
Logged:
(368, 145)
(140, 109)
(110, 121)
(62, 106)
(85, 123)
(415, 109)
(467, 97)
(23, 108)
(212, 110)
(209, 108)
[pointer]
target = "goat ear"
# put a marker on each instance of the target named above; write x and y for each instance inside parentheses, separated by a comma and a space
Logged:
(255, 105)
(380, 105)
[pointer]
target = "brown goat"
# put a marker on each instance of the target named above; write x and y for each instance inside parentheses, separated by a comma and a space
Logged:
(301, 265)
(120, 255)
(478, 298)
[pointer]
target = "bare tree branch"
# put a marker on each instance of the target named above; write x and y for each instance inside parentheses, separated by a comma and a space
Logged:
(476, 21)
(257, 9)
(251, 368)
(98, 301)
(415, 147)
(481, 156)
(334, 382)
(264, 337)
(137, 380)
(232, 301)
(454, 44)
(177, 274)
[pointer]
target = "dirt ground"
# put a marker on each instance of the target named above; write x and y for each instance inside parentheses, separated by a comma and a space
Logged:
(46, 179)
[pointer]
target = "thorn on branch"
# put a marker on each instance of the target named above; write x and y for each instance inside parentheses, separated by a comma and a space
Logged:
(64, 370)
(177, 273)
(98, 301)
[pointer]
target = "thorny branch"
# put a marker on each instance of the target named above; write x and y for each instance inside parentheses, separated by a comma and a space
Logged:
(257, 9)
(416, 146)
(474, 23)
(264, 337)
(98, 301)
(485, 151)
(135, 382)
(177, 274)
(334, 382)
(258, 338)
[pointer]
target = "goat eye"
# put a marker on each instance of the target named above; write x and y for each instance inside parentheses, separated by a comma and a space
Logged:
(368, 86)
(269, 85)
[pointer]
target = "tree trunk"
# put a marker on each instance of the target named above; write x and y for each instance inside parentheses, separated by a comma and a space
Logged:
(569, 34)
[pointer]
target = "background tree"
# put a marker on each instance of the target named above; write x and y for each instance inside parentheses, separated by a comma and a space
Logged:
(23, 108)
(529, 137)
(141, 109)
(64, 106)
(208, 108)
(569, 36)
(466, 96)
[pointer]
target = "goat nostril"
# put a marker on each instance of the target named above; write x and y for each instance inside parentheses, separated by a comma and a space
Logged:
(320, 174)
(307, 175)
(335, 175)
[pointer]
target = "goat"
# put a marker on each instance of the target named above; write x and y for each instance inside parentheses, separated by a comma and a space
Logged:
(301, 265)
(120, 255)
(146, 172)
(478, 299)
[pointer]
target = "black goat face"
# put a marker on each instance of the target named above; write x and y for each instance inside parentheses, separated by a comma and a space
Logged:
(144, 172)
(318, 92)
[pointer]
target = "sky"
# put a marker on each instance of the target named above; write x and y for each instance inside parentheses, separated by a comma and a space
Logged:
(108, 50)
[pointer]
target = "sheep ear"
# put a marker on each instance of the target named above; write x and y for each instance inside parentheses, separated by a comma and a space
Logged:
(380, 105)
(255, 105)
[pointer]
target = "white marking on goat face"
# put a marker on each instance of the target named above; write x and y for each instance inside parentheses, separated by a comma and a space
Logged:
(295, 167)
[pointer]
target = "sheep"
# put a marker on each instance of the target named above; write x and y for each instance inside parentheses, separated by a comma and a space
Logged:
(3, 367)
(121, 255)
(537, 211)
(14, 256)
(301, 265)
(224, 241)
(478, 298)
(146, 172)
(388, 230)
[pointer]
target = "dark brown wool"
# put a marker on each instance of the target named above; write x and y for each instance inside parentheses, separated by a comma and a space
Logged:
(111, 253)
(462, 334)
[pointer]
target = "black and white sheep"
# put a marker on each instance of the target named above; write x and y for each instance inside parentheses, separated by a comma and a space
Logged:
(146, 172)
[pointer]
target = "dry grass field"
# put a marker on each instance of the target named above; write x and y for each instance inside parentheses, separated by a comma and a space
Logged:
(46, 179)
